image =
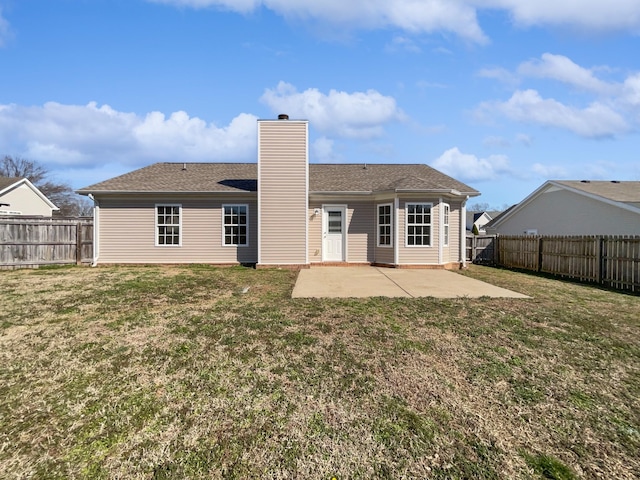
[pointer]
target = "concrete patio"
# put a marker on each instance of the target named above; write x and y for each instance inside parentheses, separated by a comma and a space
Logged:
(350, 282)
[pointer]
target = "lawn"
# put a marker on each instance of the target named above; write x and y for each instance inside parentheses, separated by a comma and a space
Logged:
(202, 372)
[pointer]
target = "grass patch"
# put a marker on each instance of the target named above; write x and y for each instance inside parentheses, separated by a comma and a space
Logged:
(202, 372)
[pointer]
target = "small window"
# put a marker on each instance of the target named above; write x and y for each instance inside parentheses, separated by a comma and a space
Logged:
(235, 225)
(168, 222)
(384, 226)
(418, 224)
(445, 224)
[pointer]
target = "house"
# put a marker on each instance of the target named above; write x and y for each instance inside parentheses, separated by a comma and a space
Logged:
(18, 196)
(281, 211)
(578, 207)
(479, 220)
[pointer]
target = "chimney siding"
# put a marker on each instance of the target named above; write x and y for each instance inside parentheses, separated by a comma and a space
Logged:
(283, 192)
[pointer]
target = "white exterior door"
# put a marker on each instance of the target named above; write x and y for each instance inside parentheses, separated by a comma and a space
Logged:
(333, 233)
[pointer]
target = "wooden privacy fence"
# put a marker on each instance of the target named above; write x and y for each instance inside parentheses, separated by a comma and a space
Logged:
(481, 249)
(33, 242)
(613, 261)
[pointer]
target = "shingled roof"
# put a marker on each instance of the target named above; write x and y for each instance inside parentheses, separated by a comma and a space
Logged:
(242, 177)
(618, 191)
(8, 181)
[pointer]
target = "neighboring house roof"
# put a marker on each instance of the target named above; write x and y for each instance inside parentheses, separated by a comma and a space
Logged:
(242, 177)
(623, 194)
(617, 191)
(10, 183)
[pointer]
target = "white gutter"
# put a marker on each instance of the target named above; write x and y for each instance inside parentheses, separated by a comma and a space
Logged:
(96, 231)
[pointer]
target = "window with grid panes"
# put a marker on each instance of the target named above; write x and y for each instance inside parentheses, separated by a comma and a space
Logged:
(418, 227)
(168, 224)
(235, 225)
(384, 225)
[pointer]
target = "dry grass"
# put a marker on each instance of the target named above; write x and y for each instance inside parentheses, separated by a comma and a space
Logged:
(173, 372)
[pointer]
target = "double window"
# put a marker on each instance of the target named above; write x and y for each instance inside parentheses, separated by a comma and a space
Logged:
(235, 225)
(385, 229)
(418, 226)
(168, 223)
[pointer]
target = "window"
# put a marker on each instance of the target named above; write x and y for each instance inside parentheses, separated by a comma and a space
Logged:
(418, 224)
(235, 225)
(445, 224)
(384, 226)
(168, 224)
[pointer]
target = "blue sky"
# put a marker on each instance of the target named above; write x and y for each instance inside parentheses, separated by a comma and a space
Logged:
(501, 94)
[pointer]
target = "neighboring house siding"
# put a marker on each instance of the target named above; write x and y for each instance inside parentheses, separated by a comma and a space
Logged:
(24, 200)
(128, 231)
(418, 255)
(561, 212)
(283, 192)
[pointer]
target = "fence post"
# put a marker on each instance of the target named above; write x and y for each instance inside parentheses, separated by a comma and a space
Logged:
(539, 254)
(78, 243)
(601, 261)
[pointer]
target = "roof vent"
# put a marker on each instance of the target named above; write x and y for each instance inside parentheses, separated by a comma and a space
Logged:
(585, 181)
(615, 181)
(184, 166)
(283, 116)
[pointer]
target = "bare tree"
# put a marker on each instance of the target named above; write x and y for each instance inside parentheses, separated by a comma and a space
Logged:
(61, 194)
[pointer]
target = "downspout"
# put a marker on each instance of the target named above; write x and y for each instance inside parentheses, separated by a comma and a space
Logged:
(440, 232)
(463, 233)
(96, 230)
(396, 232)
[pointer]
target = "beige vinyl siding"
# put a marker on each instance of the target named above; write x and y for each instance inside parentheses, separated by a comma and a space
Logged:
(315, 232)
(361, 228)
(418, 255)
(283, 192)
(454, 232)
(451, 253)
(128, 231)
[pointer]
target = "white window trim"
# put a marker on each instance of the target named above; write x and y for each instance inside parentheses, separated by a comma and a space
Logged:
(391, 230)
(406, 224)
(155, 222)
(446, 224)
(233, 245)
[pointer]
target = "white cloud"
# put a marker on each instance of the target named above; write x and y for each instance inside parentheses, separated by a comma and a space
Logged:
(351, 115)
(561, 68)
(496, 142)
(549, 171)
(87, 135)
(413, 16)
(468, 167)
(596, 120)
(323, 151)
(402, 43)
(524, 139)
(501, 74)
(610, 15)
(5, 30)
(430, 16)
(631, 90)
